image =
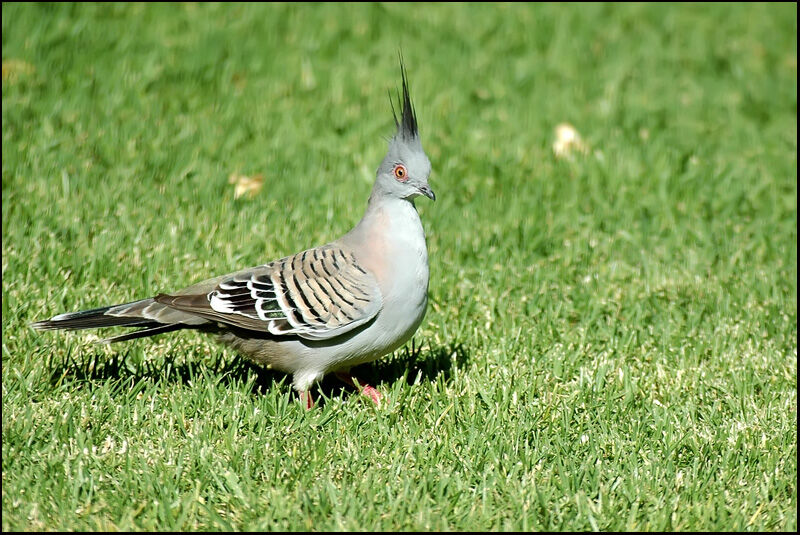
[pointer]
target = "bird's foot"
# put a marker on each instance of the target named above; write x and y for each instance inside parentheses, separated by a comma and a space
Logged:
(307, 400)
(370, 391)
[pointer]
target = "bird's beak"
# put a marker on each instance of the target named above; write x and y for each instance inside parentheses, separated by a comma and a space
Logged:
(427, 191)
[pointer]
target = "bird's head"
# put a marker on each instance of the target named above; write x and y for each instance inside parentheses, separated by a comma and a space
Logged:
(405, 169)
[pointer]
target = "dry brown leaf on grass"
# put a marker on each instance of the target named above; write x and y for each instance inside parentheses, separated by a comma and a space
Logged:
(249, 185)
(14, 68)
(568, 141)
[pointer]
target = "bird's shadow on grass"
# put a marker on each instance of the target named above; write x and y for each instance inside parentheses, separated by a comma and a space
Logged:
(412, 363)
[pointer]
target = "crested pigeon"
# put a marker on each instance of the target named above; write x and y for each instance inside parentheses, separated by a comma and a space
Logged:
(321, 310)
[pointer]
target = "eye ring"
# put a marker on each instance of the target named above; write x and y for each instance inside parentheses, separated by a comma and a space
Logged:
(400, 173)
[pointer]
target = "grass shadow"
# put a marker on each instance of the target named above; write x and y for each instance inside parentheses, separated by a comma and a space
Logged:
(97, 367)
(413, 363)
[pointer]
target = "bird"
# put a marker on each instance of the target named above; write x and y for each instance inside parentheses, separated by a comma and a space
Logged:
(322, 310)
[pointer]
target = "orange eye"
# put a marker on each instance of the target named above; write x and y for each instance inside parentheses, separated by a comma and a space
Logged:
(400, 173)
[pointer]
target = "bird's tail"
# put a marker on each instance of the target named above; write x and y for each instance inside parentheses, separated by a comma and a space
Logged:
(87, 319)
(138, 314)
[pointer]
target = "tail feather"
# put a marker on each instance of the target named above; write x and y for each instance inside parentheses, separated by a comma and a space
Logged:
(150, 317)
(88, 319)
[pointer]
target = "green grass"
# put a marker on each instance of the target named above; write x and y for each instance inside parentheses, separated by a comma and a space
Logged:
(611, 341)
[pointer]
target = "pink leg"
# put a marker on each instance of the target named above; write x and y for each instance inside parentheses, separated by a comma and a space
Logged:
(366, 389)
(307, 400)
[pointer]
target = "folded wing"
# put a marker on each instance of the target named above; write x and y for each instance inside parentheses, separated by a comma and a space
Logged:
(317, 294)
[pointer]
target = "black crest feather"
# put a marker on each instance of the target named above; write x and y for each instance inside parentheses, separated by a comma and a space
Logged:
(407, 124)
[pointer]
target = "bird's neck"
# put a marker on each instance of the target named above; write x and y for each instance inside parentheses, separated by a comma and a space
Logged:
(392, 210)
(387, 218)
(378, 200)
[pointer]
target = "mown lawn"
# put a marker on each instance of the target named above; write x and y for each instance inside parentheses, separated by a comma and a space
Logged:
(611, 341)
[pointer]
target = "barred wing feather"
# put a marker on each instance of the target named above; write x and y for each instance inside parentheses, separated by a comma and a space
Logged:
(317, 294)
